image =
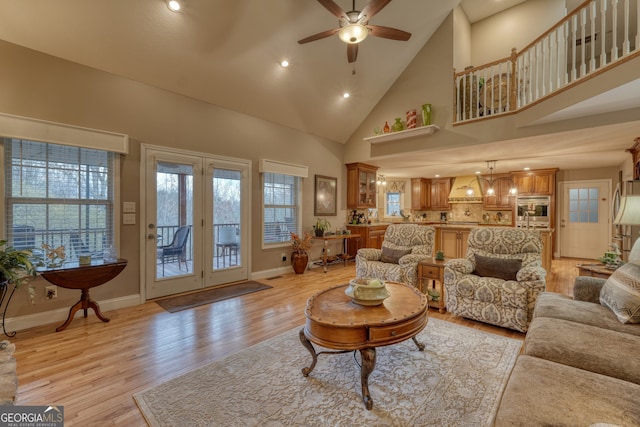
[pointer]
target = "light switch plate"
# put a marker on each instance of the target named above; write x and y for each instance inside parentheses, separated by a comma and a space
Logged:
(129, 219)
(128, 207)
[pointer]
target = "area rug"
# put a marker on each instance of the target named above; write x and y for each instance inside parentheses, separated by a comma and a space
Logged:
(207, 296)
(457, 381)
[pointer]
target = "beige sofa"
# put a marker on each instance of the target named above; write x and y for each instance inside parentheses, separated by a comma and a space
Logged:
(580, 364)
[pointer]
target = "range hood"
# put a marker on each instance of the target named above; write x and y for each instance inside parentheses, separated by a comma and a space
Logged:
(461, 187)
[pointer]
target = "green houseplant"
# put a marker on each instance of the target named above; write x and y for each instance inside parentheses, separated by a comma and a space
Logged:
(15, 264)
(322, 226)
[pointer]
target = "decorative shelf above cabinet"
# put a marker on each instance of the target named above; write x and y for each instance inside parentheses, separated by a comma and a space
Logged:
(403, 134)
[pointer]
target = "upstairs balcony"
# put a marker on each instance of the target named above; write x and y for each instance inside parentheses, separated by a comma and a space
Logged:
(597, 37)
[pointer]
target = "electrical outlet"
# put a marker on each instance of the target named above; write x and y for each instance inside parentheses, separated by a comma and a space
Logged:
(284, 257)
(51, 292)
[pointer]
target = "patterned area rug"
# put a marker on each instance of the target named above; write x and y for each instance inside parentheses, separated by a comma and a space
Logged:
(457, 381)
(207, 296)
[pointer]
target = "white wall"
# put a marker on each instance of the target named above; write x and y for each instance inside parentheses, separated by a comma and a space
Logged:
(461, 40)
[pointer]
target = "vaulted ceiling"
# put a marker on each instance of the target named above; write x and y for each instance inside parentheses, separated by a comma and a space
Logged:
(228, 53)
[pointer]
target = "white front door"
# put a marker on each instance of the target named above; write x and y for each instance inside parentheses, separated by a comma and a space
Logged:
(228, 226)
(173, 223)
(585, 218)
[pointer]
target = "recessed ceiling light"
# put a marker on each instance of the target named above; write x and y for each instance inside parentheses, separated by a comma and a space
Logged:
(478, 172)
(284, 63)
(346, 95)
(527, 169)
(174, 5)
(437, 175)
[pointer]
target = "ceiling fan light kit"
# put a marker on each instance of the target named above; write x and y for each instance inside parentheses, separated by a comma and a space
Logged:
(353, 33)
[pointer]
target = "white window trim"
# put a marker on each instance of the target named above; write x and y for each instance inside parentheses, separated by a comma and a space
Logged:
(58, 133)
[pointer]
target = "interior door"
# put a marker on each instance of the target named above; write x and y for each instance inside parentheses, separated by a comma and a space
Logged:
(585, 219)
(227, 228)
(173, 223)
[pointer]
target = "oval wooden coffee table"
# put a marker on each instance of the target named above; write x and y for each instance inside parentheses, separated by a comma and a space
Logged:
(336, 322)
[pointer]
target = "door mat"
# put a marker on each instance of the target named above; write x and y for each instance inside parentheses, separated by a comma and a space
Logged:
(185, 302)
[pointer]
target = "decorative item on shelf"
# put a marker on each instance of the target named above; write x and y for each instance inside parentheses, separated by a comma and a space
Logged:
(377, 131)
(439, 256)
(426, 114)
(367, 291)
(411, 119)
(322, 225)
(300, 255)
(386, 128)
(15, 264)
(397, 125)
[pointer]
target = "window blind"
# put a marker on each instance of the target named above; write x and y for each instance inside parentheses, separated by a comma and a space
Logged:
(59, 195)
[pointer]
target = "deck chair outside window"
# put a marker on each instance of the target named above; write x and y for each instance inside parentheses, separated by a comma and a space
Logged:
(176, 250)
(228, 243)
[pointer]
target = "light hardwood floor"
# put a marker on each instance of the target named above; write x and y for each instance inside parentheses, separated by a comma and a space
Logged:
(93, 368)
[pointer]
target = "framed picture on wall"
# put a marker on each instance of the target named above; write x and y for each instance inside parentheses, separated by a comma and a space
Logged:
(326, 196)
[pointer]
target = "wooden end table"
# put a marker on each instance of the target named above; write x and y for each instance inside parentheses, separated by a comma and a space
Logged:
(336, 322)
(594, 270)
(431, 277)
(83, 277)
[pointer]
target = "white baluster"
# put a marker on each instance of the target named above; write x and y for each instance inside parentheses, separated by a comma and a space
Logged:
(626, 46)
(593, 12)
(574, 47)
(583, 35)
(603, 32)
(614, 35)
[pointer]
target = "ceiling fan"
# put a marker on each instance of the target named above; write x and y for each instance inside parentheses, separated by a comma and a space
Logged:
(354, 26)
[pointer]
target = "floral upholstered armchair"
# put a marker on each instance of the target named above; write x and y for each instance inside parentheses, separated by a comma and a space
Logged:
(500, 278)
(404, 246)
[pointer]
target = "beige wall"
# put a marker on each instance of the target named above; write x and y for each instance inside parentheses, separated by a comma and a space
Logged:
(494, 37)
(43, 87)
(461, 40)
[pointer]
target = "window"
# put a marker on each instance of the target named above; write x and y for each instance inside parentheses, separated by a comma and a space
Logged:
(281, 201)
(392, 204)
(583, 205)
(59, 195)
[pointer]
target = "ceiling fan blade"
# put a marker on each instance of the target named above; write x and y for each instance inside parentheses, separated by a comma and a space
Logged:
(388, 33)
(332, 7)
(373, 7)
(319, 36)
(352, 53)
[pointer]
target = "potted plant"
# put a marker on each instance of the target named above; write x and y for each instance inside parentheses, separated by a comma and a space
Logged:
(322, 226)
(15, 264)
(300, 256)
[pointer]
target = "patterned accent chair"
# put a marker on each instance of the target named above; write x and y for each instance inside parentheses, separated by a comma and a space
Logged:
(500, 278)
(404, 246)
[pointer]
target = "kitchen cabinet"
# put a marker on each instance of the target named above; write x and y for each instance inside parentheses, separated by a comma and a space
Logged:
(420, 194)
(371, 236)
(453, 241)
(440, 189)
(361, 186)
(541, 182)
(502, 200)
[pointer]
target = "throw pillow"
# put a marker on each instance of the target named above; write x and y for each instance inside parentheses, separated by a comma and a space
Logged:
(502, 268)
(621, 293)
(393, 255)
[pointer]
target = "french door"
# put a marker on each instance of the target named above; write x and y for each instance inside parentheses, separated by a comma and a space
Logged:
(195, 221)
(585, 218)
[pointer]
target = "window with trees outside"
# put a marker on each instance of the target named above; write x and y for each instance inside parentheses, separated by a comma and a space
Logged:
(59, 195)
(393, 203)
(281, 201)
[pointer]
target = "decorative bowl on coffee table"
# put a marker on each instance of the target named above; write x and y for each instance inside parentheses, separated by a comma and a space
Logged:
(367, 291)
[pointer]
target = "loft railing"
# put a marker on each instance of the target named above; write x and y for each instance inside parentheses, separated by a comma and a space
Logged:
(594, 37)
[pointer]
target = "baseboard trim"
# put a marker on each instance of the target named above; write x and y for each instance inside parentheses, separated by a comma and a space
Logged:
(60, 314)
(265, 274)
